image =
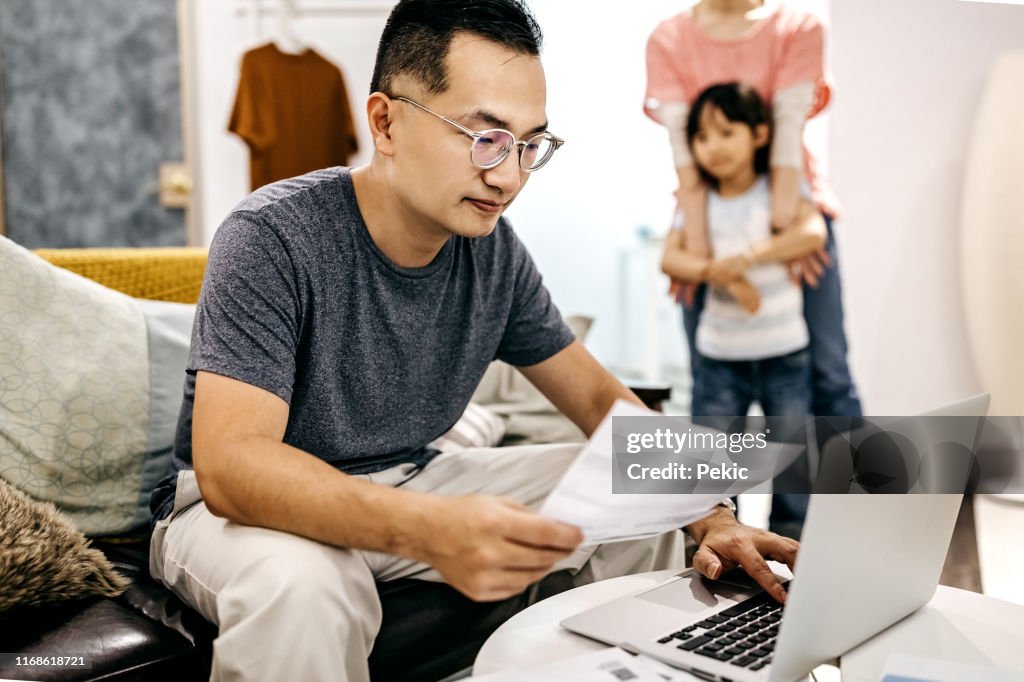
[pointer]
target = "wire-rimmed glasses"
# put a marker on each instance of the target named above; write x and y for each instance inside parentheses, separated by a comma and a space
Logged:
(490, 147)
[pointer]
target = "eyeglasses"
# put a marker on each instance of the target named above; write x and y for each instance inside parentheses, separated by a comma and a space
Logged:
(490, 147)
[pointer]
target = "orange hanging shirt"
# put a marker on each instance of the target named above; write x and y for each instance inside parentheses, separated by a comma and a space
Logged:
(292, 111)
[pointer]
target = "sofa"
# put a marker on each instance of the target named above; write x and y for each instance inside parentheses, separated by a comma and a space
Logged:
(429, 631)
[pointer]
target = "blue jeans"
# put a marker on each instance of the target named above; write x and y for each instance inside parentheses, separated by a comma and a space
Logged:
(833, 393)
(782, 385)
(832, 390)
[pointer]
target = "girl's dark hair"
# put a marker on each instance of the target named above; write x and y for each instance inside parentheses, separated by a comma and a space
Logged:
(739, 103)
(418, 34)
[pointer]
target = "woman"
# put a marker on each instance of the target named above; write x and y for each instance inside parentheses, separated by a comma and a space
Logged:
(779, 51)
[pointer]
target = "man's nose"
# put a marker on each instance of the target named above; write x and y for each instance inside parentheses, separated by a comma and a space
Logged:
(506, 176)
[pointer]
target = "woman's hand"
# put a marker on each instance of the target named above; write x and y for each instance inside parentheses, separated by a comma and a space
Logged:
(809, 268)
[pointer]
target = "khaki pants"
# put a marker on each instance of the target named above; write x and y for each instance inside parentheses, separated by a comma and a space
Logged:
(291, 608)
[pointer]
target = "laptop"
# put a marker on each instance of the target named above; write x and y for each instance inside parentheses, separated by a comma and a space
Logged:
(866, 561)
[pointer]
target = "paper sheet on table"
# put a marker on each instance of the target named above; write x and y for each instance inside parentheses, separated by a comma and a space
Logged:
(607, 665)
(584, 496)
(907, 668)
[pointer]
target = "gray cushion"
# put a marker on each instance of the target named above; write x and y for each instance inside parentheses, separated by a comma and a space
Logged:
(90, 386)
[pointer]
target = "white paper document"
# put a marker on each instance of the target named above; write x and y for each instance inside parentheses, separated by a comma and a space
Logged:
(907, 668)
(584, 496)
(607, 665)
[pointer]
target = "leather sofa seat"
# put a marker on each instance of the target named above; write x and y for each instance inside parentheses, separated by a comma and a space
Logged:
(147, 634)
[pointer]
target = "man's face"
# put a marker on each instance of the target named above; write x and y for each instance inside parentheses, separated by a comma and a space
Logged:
(490, 86)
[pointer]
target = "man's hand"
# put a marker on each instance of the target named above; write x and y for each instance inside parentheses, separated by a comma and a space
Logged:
(810, 268)
(491, 548)
(745, 294)
(726, 543)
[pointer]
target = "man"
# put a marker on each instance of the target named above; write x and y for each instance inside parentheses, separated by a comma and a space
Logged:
(345, 320)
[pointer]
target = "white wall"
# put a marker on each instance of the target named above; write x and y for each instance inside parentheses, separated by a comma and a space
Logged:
(909, 75)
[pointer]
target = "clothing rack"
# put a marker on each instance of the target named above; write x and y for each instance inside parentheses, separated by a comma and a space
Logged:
(260, 9)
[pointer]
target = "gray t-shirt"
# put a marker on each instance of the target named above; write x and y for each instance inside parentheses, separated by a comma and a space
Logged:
(374, 360)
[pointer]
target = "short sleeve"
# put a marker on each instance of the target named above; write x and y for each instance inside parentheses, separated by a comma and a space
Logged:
(535, 330)
(665, 80)
(803, 60)
(248, 318)
(251, 117)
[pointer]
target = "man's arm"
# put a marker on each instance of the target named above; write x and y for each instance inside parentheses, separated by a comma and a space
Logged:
(584, 391)
(487, 547)
(579, 386)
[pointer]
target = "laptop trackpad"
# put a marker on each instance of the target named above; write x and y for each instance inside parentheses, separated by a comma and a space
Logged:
(694, 593)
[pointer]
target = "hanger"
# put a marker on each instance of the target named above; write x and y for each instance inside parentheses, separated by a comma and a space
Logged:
(285, 38)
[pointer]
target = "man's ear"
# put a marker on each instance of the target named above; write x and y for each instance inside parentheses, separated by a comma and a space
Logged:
(761, 133)
(379, 111)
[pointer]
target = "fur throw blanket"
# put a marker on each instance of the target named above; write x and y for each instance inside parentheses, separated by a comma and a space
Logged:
(44, 558)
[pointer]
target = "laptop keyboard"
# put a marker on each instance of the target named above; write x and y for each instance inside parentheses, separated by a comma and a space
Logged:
(743, 635)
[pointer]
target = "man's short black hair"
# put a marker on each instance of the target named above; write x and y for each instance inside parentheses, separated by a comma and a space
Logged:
(419, 32)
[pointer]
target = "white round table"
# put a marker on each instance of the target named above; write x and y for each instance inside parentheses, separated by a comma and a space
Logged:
(534, 635)
(955, 625)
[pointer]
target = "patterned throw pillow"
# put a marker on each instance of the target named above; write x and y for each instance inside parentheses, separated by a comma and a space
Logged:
(80, 365)
(44, 558)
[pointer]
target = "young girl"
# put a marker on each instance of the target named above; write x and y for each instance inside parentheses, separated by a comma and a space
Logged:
(751, 336)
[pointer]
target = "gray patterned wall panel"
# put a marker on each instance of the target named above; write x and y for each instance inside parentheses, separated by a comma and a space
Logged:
(91, 107)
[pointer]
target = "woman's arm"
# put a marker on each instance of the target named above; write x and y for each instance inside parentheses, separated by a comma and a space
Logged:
(691, 195)
(805, 234)
(681, 263)
(790, 107)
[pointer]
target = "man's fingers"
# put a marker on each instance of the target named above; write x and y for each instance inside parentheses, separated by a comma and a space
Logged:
(757, 568)
(513, 504)
(709, 564)
(781, 549)
(525, 558)
(527, 528)
(511, 583)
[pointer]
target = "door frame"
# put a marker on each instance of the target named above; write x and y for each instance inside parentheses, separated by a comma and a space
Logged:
(187, 63)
